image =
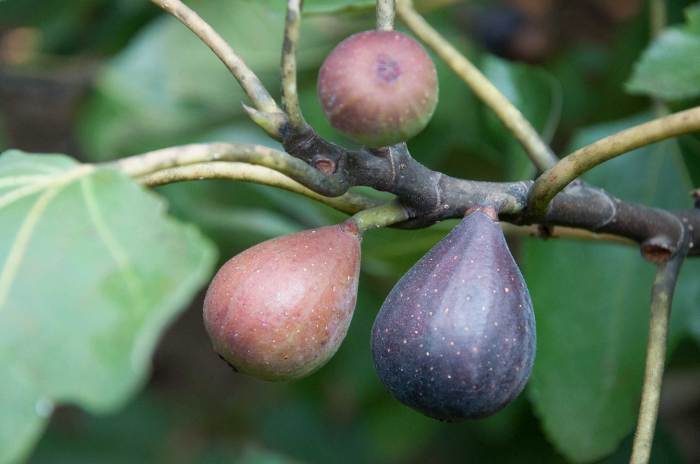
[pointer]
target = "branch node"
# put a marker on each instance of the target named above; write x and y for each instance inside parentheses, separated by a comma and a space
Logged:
(324, 165)
(272, 123)
(657, 250)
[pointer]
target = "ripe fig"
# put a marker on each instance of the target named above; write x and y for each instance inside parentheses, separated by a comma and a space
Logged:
(455, 338)
(280, 309)
(378, 87)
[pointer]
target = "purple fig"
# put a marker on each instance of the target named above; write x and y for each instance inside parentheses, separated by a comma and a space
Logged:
(455, 338)
(280, 309)
(378, 87)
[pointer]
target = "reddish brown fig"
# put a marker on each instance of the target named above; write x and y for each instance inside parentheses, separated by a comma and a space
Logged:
(378, 87)
(280, 309)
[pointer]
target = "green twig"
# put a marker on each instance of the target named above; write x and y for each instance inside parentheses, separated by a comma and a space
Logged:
(386, 12)
(572, 166)
(349, 202)
(147, 163)
(538, 151)
(661, 298)
(658, 17)
(290, 97)
(247, 79)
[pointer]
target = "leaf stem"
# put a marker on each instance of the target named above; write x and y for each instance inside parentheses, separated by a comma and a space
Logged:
(661, 298)
(147, 163)
(349, 202)
(572, 166)
(386, 11)
(243, 74)
(538, 151)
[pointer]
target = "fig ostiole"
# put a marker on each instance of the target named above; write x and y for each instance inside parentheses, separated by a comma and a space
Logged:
(281, 309)
(455, 338)
(378, 88)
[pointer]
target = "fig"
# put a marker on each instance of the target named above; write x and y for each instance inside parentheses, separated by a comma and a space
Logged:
(455, 338)
(378, 87)
(280, 309)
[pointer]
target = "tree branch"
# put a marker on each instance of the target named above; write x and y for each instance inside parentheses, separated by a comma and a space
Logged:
(538, 151)
(385, 15)
(427, 196)
(661, 298)
(572, 166)
(247, 79)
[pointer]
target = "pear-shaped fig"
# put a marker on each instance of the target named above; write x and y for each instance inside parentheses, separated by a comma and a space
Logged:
(280, 309)
(378, 87)
(455, 338)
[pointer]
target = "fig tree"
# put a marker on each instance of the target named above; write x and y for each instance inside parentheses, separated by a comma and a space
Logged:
(280, 309)
(455, 338)
(378, 87)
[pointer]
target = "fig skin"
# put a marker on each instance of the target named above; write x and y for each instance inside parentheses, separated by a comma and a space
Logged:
(455, 338)
(378, 87)
(280, 309)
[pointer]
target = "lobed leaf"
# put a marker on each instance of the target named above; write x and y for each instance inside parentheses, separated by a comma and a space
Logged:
(91, 272)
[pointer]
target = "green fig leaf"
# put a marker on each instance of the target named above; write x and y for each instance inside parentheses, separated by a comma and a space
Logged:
(670, 69)
(91, 272)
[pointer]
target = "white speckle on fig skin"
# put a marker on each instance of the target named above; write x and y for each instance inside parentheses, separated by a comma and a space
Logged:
(485, 342)
(378, 87)
(289, 319)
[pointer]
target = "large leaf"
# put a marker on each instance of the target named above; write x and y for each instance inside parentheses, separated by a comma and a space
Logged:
(591, 302)
(670, 67)
(91, 271)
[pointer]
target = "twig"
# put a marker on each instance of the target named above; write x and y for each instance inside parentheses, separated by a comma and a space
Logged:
(349, 202)
(572, 166)
(661, 298)
(146, 163)
(290, 97)
(657, 17)
(385, 15)
(247, 79)
(538, 151)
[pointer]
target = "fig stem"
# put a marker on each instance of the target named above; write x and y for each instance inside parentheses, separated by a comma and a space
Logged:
(386, 11)
(381, 216)
(290, 96)
(661, 299)
(250, 83)
(538, 151)
(572, 166)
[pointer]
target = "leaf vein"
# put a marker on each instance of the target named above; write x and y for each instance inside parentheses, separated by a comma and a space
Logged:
(120, 257)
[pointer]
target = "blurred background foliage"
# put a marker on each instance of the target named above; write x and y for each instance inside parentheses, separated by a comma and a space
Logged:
(100, 79)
